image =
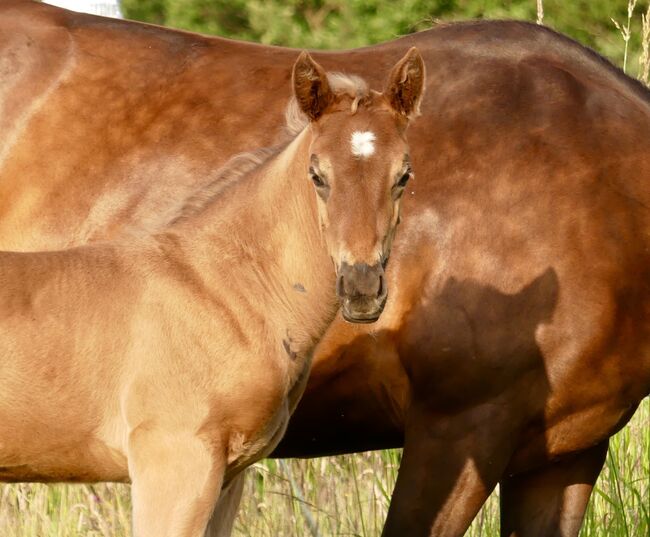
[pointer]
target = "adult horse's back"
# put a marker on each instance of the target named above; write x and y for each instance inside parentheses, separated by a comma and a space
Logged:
(515, 345)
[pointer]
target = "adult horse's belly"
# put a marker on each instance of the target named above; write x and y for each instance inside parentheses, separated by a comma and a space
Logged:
(355, 399)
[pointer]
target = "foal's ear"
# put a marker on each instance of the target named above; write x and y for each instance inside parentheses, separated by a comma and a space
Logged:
(405, 84)
(310, 86)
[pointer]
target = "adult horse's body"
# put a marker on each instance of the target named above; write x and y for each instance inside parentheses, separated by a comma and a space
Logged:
(516, 342)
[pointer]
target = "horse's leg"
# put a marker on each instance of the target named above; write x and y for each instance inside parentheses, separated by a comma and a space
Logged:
(449, 467)
(551, 501)
(176, 482)
(225, 512)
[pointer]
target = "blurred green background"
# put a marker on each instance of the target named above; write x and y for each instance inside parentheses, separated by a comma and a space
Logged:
(337, 24)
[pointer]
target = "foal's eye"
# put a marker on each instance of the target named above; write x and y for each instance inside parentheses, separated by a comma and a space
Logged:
(398, 187)
(404, 179)
(316, 179)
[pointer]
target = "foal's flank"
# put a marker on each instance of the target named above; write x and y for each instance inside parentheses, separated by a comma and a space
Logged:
(175, 360)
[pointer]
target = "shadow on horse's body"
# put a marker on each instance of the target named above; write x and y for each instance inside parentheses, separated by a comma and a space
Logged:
(515, 340)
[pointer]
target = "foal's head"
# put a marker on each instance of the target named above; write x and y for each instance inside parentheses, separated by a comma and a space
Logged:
(359, 166)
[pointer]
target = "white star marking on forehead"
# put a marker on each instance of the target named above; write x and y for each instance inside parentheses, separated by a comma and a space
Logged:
(363, 143)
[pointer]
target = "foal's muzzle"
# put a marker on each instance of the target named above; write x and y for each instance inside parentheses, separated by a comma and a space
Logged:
(362, 291)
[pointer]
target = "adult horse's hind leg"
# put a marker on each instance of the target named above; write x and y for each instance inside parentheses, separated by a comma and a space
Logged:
(551, 501)
(225, 512)
(176, 482)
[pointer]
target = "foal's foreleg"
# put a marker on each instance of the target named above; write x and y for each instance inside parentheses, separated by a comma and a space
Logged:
(551, 501)
(225, 512)
(176, 482)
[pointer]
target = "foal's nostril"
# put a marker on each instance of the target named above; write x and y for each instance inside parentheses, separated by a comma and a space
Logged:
(340, 286)
(380, 291)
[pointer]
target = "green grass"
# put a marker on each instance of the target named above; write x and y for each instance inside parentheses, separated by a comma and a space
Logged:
(340, 496)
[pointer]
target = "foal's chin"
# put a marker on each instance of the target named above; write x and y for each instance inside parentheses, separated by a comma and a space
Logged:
(362, 310)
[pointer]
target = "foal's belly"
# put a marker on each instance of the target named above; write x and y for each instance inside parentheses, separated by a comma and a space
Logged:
(43, 441)
(85, 461)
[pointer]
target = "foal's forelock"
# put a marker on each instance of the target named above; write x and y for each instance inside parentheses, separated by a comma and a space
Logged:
(341, 84)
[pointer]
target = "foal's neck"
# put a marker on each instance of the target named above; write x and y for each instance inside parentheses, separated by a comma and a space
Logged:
(259, 241)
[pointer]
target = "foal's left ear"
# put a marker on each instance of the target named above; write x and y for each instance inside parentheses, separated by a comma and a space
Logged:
(310, 86)
(405, 84)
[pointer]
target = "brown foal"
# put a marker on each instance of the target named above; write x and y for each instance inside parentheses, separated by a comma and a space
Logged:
(174, 360)
(515, 339)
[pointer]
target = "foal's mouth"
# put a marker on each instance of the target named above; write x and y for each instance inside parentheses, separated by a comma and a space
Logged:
(364, 315)
(362, 291)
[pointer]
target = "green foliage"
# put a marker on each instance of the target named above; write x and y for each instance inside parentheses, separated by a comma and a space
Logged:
(337, 24)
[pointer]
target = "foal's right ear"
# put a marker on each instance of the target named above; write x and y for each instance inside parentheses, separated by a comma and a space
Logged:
(310, 86)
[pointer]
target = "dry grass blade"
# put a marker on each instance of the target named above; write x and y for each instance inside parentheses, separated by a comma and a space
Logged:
(625, 30)
(644, 59)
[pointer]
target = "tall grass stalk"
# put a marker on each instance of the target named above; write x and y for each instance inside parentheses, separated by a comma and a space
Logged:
(644, 59)
(625, 30)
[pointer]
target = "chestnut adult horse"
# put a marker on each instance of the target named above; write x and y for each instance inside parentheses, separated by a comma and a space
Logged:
(515, 340)
(174, 360)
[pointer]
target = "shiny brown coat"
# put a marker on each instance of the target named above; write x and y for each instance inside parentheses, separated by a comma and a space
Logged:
(514, 342)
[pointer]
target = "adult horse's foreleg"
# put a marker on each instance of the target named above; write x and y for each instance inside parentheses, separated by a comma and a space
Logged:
(551, 501)
(225, 512)
(449, 467)
(176, 482)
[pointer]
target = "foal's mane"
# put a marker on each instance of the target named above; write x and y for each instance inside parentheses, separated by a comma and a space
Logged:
(242, 164)
(231, 172)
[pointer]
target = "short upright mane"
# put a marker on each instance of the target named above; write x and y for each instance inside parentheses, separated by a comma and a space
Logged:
(232, 171)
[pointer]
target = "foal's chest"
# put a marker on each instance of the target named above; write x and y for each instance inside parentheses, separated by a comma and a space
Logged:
(272, 424)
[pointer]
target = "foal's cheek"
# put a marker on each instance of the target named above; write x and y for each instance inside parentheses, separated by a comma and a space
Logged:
(394, 221)
(397, 207)
(323, 215)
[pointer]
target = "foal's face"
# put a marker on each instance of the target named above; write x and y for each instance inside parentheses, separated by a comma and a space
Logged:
(359, 167)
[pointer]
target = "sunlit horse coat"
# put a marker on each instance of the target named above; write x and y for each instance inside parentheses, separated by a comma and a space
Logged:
(516, 341)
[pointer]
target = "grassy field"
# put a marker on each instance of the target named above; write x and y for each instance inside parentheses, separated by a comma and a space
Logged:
(349, 496)
(336, 496)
